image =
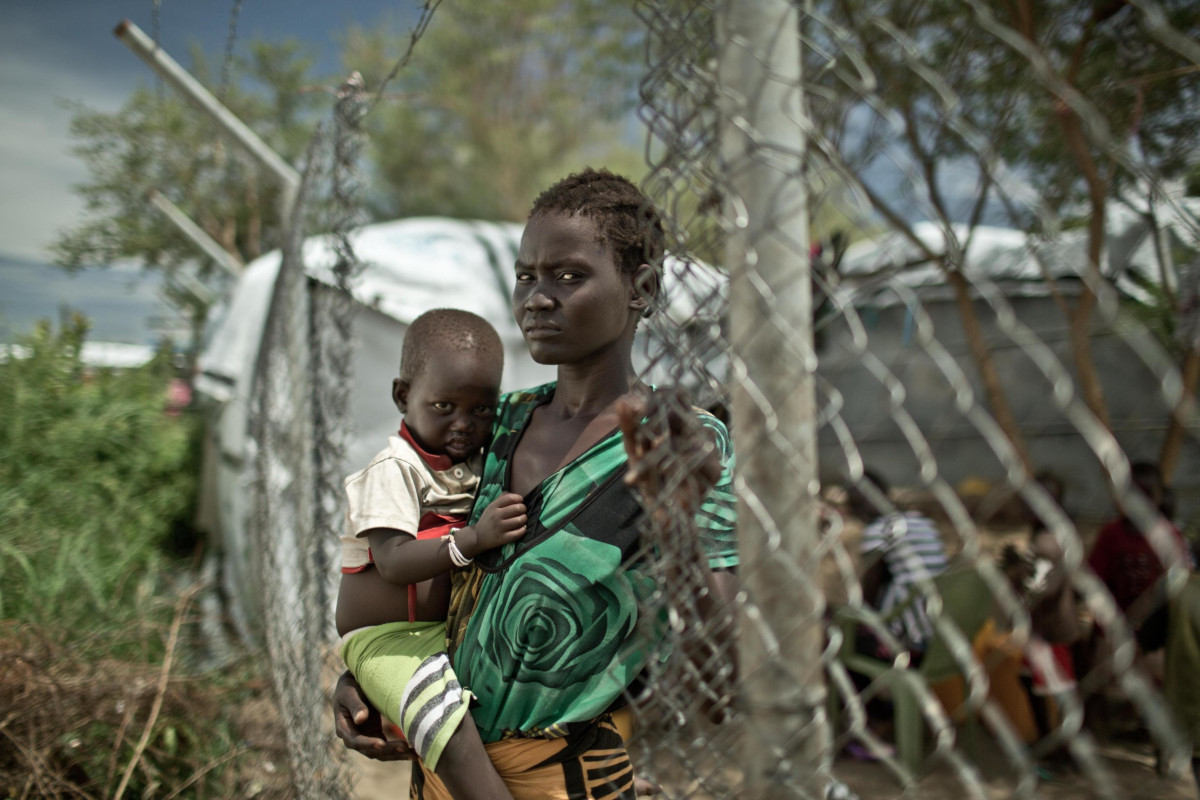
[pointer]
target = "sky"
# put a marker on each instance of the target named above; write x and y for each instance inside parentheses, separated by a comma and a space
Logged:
(63, 50)
(54, 52)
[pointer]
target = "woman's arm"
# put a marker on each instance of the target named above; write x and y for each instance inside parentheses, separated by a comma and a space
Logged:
(673, 463)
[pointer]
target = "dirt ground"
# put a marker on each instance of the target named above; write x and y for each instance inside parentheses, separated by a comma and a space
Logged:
(1130, 765)
(377, 780)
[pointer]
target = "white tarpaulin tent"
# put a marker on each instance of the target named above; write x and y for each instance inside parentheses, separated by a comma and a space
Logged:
(1020, 262)
(409, 267)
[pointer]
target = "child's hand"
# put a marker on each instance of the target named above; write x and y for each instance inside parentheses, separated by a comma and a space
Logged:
(503, 521)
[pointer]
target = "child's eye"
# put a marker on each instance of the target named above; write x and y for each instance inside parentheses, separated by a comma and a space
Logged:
(441, 405)
(485, 411)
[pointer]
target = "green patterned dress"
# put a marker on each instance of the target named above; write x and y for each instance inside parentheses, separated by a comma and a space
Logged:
(545, 631)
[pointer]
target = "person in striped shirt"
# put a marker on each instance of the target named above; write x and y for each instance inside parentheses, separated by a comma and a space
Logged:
(899, 549)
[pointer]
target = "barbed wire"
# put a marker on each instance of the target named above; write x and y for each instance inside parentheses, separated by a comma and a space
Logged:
(230, 40)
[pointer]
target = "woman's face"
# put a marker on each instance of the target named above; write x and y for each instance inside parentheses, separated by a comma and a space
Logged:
(571, 301)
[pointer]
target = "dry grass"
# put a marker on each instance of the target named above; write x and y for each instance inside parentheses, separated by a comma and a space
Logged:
(76, 727)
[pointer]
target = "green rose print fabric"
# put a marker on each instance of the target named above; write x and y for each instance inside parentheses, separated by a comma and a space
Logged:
(545, 631)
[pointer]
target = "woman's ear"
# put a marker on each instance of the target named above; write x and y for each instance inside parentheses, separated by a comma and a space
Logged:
(400, 395)
(645, 289)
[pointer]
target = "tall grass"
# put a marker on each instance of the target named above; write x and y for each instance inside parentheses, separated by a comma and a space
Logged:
(96, 483)
(94, 478)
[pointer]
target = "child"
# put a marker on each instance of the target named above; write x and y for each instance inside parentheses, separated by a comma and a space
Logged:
(406, 528)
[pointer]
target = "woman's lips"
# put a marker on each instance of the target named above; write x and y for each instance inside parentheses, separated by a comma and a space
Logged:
(540, 331)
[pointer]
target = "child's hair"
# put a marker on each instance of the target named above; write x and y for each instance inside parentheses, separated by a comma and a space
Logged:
(624, 217)
(446, 328)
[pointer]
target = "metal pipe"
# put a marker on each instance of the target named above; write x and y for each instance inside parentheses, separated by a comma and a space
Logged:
(774, 400)
(179, 78)
(185, 282)
(224, 259)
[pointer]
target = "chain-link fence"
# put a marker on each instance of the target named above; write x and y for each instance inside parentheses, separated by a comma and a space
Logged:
(957, 310)
(957, 238)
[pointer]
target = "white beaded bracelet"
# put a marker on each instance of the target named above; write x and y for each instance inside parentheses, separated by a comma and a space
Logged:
(456, 556)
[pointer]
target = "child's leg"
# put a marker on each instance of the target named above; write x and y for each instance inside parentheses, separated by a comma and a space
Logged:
(466, 770)
(408, 677)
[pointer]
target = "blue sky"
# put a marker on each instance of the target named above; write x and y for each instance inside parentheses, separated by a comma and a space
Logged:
(55, 50)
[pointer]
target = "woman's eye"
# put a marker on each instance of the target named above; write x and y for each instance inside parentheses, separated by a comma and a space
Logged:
(568, 276)
(524, 277)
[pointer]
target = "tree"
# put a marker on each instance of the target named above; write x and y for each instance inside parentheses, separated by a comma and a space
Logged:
(922, 106)
(1116, 101)
(499, 100)
(1085, 100)
(157, 142)
(1109, 98)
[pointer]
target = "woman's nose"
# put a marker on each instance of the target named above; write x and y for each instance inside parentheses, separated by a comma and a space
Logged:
(538, 300)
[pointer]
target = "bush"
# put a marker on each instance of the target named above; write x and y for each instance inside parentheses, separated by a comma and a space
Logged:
(94, 478)
(96, 482)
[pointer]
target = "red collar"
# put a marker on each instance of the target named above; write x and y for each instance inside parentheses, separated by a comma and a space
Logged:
(436, 463)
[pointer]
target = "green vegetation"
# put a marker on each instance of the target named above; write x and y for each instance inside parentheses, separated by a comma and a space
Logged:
(94, 477)
(97, 485)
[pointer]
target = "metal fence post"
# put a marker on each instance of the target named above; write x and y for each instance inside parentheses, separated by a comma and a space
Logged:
(774, 408)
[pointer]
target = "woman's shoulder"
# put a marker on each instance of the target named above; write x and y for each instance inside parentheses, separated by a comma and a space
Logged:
(515, 408)
(719, 430)
(524, 397)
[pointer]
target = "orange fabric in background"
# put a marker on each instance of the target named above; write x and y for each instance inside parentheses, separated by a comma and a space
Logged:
(1003, 660)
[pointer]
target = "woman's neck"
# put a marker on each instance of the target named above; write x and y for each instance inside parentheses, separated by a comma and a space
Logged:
(586, 390)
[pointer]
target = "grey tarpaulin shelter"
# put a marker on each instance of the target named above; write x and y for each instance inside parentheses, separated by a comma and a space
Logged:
(409, 266)
(885, 279)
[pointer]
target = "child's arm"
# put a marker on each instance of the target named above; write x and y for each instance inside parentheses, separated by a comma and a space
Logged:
(401, 558)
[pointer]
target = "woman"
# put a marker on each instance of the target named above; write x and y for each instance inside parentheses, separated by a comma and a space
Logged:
(545, 632)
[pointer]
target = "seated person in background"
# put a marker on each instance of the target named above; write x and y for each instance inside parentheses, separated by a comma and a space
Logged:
(1124, 558)
(1000, 652)
(1025, 676)
(1047, 589)
(406, 528)
(898, 550)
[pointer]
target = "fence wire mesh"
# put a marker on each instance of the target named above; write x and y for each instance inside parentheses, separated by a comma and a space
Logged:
(955, 292)
(944, 227)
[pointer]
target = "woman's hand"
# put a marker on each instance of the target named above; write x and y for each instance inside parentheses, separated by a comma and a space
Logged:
(360, 727)
(673, 460)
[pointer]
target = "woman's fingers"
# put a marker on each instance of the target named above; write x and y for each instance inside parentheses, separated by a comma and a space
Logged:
(672, 457)
(630, 411)
(359, 726)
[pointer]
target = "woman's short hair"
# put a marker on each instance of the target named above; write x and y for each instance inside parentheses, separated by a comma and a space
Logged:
(624, 217)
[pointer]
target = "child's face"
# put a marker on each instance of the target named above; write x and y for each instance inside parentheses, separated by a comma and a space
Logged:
(449, 406)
